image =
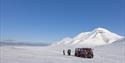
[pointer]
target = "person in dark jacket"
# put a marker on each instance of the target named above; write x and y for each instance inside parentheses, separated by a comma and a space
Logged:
(69, 52)
(63, 52)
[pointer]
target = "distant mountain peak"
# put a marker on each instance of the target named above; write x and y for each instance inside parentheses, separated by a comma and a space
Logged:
(98, 36)
(101, 30)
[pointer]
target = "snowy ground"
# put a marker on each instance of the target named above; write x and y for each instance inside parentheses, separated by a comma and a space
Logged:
(114, 53)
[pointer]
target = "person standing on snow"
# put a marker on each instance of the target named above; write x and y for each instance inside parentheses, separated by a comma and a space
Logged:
(69, 52)
(63, 52)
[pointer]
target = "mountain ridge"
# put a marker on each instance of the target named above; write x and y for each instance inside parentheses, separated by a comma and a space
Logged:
(98, 36)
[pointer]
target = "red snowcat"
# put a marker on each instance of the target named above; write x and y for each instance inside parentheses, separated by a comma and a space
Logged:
(84, 52)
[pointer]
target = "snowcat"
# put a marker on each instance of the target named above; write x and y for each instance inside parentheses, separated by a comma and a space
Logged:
(84, 52)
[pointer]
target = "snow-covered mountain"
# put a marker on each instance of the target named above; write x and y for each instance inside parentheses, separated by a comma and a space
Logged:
(98, 36)
(66, 40)
(19, 43)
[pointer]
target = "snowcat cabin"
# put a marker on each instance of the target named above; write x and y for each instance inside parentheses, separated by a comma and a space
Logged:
(77, 52)
(84, 52)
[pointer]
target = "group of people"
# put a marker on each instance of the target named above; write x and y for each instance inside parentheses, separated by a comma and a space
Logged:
(68, 52)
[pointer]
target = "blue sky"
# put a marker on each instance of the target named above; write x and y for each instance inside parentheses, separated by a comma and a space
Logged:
(51, 20)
